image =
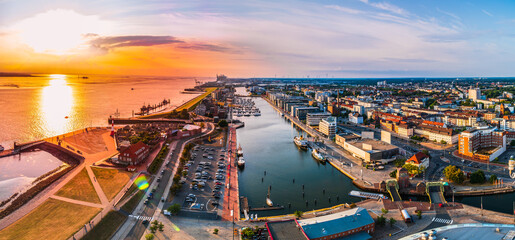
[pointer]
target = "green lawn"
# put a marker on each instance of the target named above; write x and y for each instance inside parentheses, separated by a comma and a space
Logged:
(107, 226)
(133, 202)
(80, 188)
(54, 219)
(111, 180)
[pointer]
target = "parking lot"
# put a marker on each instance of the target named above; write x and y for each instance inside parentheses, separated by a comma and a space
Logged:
(203, 186)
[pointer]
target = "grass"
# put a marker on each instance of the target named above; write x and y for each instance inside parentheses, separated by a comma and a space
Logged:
(158, 160)
(186, 105)
(80, 188)
(54, 219)
(106, 227)
(133, 202)
(111, 180)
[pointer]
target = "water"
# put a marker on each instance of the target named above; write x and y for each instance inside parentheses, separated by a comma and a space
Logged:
(267, 143)
(32, 108)
(18, 171)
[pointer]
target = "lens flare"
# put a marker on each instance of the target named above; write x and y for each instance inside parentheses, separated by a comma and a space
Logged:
(141, 182)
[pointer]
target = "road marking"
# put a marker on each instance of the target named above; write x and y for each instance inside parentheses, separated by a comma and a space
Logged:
(141, 217)
(442, 220)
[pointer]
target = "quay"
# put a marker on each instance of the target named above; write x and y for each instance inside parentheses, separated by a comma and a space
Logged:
(231, 203)
(124, 121)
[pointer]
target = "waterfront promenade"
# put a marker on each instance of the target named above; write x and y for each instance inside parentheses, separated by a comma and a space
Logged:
(231, 196)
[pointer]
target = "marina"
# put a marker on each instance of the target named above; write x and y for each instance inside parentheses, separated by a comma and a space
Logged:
(298, 182)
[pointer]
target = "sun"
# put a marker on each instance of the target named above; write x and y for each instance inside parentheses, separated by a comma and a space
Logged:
(59, 31)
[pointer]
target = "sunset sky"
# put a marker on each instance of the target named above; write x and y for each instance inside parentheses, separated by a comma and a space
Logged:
(347, 38)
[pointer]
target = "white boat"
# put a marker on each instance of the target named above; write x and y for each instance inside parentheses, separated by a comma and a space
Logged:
(317, 155)
(257, 114)
(240, 152)
(246, 114)
(268, 200)
(239, 114)
(241, 162)
(301, 142)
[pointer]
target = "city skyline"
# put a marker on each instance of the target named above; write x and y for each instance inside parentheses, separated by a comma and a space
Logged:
(259, 38)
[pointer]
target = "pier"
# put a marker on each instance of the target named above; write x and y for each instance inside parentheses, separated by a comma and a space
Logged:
(124, 121)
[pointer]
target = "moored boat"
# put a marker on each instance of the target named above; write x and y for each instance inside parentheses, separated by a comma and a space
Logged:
(240, 152)
(268, 200)
(317, 155)
(241, 162)
(300, 142)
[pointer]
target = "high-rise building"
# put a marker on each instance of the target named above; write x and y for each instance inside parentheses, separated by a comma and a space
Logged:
(474, 94)
(328, 127)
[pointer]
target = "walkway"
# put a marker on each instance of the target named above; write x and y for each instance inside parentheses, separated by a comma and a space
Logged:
(231, 195)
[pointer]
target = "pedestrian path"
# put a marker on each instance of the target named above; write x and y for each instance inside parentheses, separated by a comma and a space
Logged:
(442, 220)
(89, 204)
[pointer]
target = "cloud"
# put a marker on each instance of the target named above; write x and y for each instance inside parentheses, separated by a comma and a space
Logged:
(112, 42)
(204, 47)
(487, 13)
(386, 7)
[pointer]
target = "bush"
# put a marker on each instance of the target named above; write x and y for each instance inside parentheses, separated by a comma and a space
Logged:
(477, 177)
(419, 214)
(393, 174)
(399, 162)
(175, 208)
(492, 178)
(353, 205)
(298, 214)
(149, 236)
(384, 210)
(215, 231)
(392, 221)
(223, 124)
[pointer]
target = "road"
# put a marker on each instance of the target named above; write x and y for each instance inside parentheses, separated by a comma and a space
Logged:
(137, 228)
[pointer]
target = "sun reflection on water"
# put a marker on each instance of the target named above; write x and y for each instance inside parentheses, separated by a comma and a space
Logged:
(56, 105)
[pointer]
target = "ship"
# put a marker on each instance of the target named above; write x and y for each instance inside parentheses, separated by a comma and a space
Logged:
(301, 142)
(268, 200)
(241, 162)
(240, 152)
(317, 155)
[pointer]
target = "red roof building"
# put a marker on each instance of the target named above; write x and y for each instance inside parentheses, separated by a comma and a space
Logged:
(419, 159)
(134, 154)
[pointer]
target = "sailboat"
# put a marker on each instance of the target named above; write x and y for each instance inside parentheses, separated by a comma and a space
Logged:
(268, 200)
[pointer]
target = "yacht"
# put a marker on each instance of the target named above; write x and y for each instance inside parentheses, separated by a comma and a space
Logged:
(301, 142)
(257, 113)
(317, 155)
(268, 200)
(246, 114)
(241, 162)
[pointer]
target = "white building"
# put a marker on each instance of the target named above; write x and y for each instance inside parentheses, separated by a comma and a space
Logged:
(328, 127)
(356, 118)
(313, 119)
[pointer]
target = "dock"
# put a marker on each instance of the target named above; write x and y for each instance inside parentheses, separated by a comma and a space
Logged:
(267, 208)
(244, 204)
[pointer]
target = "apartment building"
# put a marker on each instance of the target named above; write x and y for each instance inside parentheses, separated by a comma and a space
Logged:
(482, 144)
(328, 127)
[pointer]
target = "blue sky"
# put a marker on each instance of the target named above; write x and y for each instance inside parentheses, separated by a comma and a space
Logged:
(352, 38)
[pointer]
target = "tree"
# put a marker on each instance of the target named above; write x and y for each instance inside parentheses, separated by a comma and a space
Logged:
(392, 221)
(149, 236)
(393, 174)
(419, 214)
(298, 214)
(399, 162)
(223, 124)
(426, 152)
(512, 143)
(175, 208)
(247, 232)
(443, 142)
(477, 177)
(412, 169)
(381, 220)
(215, 231)
(454, 174)
(492, 178)
(384, 210)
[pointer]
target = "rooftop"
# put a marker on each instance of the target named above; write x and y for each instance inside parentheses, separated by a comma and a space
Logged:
(376, 144)
(285, 230)
(336, 223)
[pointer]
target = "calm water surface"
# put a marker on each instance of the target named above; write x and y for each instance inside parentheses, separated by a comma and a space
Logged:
(17, 172)
(267, 143)
(36, 107)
